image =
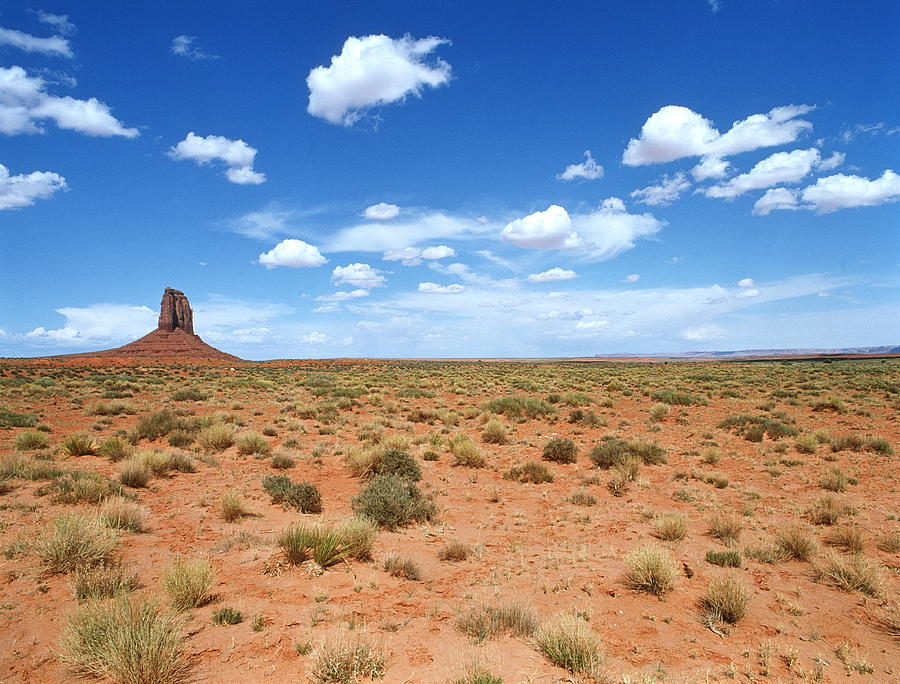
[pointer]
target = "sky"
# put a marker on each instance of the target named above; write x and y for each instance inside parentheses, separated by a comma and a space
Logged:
(407, 179)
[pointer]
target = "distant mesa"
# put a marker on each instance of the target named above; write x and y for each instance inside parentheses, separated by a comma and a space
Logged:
(174, 336)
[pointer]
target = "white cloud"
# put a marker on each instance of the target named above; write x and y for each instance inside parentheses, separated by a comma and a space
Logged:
(872, 129)
(24, 189)
(552, 275)
(60, 22)
(55, 46)
(589, 169)
(413, 256)
(24, 102)
(667, 190)
(434, 288)
(710, 168)
(372, 71)
(601, 234)
(704, 333)
(746, 282)
(263, 224)
(592, 325)
(832, 162)
(97, 324)
(343, 296)
(184, 46)
(292, 253)
(747, 293)
(775, 199)
(236, 154)
(494, 259)
(358, 275)
(314, 338)
(675, 132)
(398, 235)
(632, 277)
(714, 5)
(841, 192)
(781, 167)
(382, 212)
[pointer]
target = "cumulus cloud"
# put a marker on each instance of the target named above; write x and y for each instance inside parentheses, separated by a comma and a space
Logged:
(24, 189)
(832, 193)
(413, 256)
(237, 155)
(632, 277)
(292, 253)
(314, 337)
(372, 71)
(382, 212)
(358, 275)
(675, 132)
(96, 324)
(434, 288)
(598, 235)
(710, 168)
(746, 282)
(666, 190)
(185, 46)
(552, 275)
(842, 191)
(775, 199)
(589, 169)
(24, 102)
(54, 46)
(781, 167)
(832, 162)
(704, 333)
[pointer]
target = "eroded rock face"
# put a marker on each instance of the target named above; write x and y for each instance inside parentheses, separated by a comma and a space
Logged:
(175, 311)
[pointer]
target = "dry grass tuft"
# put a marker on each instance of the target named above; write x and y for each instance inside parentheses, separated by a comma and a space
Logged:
(651, 569)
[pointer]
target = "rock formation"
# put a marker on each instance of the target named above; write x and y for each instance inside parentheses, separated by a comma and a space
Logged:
(174, 336)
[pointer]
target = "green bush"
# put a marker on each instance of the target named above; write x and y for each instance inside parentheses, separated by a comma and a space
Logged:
(72, 540)
(189, 583)
(393, 502)
(216, 438)
(397, 462)
(30, 441)
(725, 559)
(303, 496)
(532, 473)
(667, 396)
(227, 616)
(568, 642)
(560, 450)
(11, 419)
(249, 443)
(324, 545)
(78, 444)
(516, 407)
(114, 449)
(613, 450)
(188, 394)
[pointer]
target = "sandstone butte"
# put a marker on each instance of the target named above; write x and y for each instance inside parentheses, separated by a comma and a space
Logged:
(174, 336)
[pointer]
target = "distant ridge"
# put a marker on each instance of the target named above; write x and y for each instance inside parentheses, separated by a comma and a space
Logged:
(174, 336)
(750, 353)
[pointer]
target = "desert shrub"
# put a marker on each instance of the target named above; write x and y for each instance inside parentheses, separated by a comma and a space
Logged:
(82, 486)
(795, 543)
(78, 444)
(830, 404)
(122, 514)
(98, 582)
(849, 539)
(134, 473)
(344, 660)
(667, 396)
(188, 394)
(454, 551)
(405, 568)
(476, 674)
(397, 462)
(658, 412)
(852, 573)
(725, 600)
(582, 498)
(725, 559)
(282, 461)
(358, 537)
(114, 449)
(30, 440)
(531, 472)
(393, 502)
(878, 445)
(249, 443)
(586, 418)
(560, 450)
(180, 439)
(72, 540)
(828, 510)
(216, 438)
(494, 432)
(516, 407)
(834, 480)
(156, 425)
(710, 456)
(431, 456)
(613, 450)
(303, 496)
(806, 444)
(130, 642)
(489, 622)
(232, 506)
(227, 616)
(301, 543)
(725, 527)
(651, 569)
(465, 452)
(671, 527)
(754, 428)
(11, 419)
(182, 462)
(111, 408)
(568, 642)
(189, 583)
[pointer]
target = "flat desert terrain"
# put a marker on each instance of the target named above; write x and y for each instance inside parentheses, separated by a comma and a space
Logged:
(449, 522)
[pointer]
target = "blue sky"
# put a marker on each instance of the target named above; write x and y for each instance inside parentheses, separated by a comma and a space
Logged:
(465, 179)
